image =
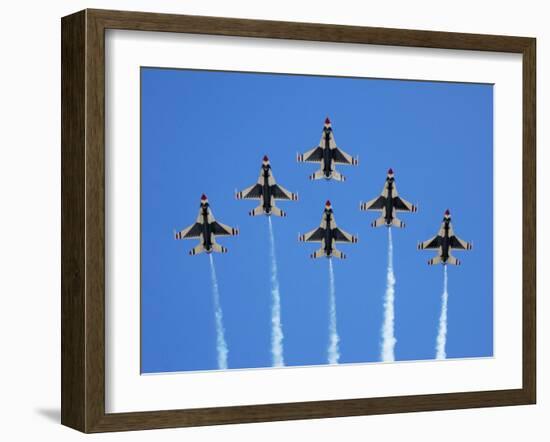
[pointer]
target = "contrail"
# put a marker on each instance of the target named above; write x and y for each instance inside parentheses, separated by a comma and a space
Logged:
(334, 339)
(442, 335)
(221, 345)
(388, 338)
(276, 327)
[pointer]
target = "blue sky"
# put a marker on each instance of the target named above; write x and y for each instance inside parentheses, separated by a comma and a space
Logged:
(206, 131)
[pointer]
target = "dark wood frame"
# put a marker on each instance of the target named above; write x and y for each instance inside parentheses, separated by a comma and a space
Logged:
(83, 219)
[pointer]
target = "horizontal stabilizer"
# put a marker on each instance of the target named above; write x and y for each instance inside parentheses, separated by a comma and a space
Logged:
(338, 254)
(277, 212)
(319, 175)
(338, 176)
(453, 261)
(219, 249)
(397, 223)
(433, 261)
(257, 211)
(318, 253)
(379, 222)
(196, 250)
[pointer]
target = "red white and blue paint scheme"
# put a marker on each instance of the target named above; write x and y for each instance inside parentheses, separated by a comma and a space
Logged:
(267, 191)
(206, 228)
(444, 242)
(328, 155)
(389, 203)
(328, 234)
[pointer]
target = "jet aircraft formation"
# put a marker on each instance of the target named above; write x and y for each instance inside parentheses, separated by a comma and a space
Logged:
(328, 155)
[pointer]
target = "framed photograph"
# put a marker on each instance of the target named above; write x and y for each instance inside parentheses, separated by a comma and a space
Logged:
(234, 245)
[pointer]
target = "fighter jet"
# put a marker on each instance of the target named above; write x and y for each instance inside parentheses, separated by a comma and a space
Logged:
(389, 202)
(328, 234)
(444, 241)
(267, 191)
(328, 155)
(206, 228)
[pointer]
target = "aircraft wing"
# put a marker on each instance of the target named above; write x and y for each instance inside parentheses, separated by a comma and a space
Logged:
(253, 192)
(457, 243)
(432, 243)
(193, 231)
(341, 157)
(280, 193)
(342, 236)
(316, 235)
(314, 155)
(403, 206)
(220, 229)
(374, 204)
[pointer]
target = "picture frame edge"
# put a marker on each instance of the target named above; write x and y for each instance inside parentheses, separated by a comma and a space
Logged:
(83, 221)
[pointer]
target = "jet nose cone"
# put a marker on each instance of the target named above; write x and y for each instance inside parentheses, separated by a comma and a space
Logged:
(327, 204)
(447, 212)
(390, 171)
(266, 159)
(327, 121)
(203, 197)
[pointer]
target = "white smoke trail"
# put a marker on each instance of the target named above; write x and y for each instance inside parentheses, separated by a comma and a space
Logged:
(442, 335)
(276, 327)
(221, 345)
(388, 338)
(334, 339)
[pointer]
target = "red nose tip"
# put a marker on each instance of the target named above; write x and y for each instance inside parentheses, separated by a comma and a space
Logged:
(327, 121)
(266, 158)
(447, 212)
(203, 197)
(327, 203)
(390, 171)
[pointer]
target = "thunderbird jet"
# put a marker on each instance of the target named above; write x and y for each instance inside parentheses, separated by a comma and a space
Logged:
(328, 155)
(444, 242)
(206, 228)
(328, 234)
(267, 191)
(389, 202)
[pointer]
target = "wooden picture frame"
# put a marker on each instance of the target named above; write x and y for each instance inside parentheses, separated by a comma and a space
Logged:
(83, 220)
